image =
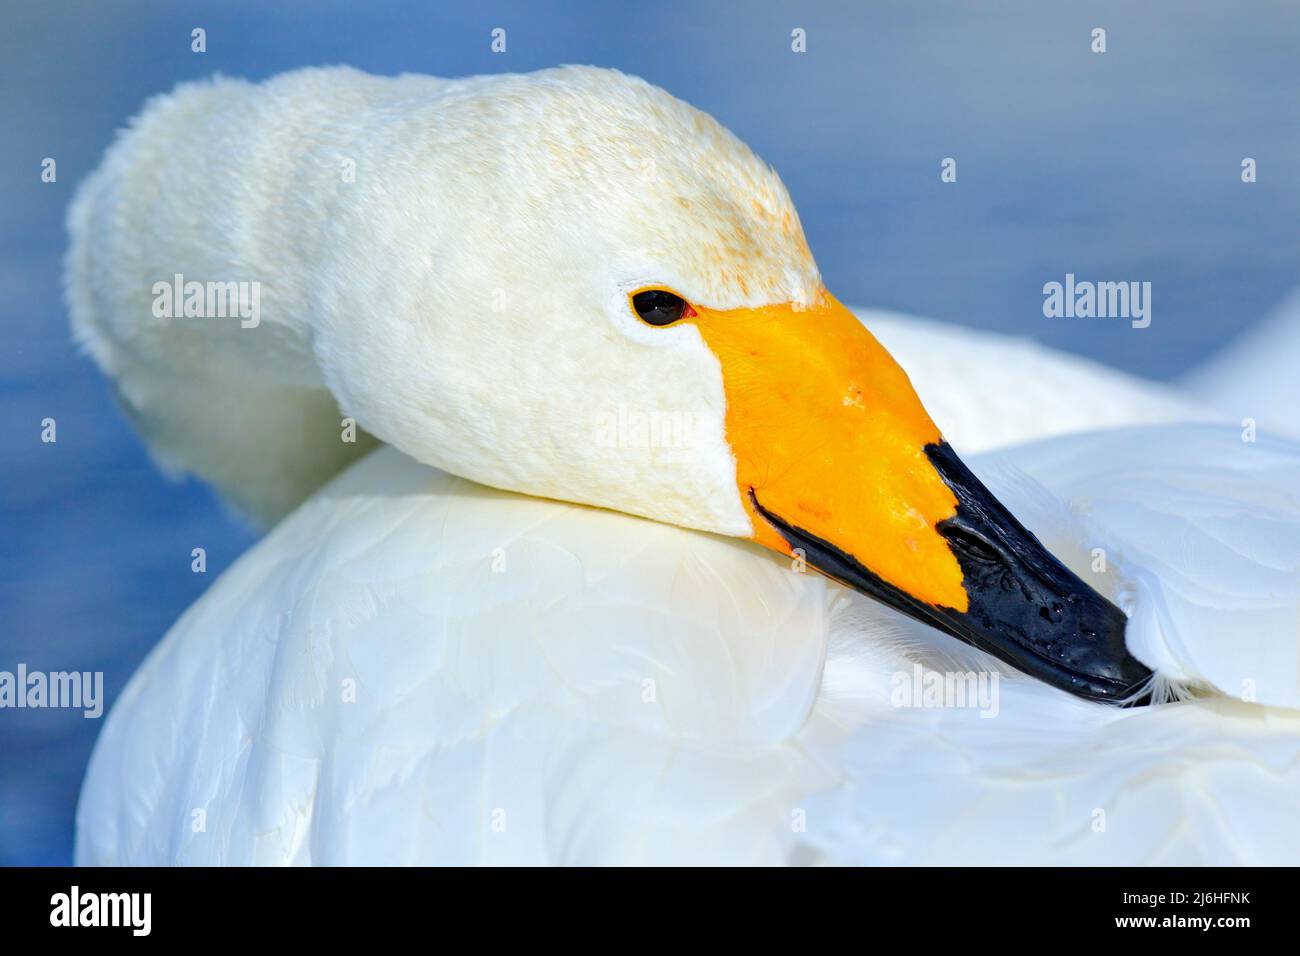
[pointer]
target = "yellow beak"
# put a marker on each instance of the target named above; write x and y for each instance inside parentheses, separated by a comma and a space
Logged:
(836, 456)
(829, 435)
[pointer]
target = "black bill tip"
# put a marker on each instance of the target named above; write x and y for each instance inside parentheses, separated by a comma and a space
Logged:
(1024, 607)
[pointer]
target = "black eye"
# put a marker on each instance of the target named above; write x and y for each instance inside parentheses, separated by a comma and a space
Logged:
(659, 307)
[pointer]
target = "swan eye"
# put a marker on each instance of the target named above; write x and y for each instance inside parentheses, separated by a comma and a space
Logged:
(659, 307)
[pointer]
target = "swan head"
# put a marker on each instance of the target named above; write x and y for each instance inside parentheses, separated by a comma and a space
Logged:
(591, 291)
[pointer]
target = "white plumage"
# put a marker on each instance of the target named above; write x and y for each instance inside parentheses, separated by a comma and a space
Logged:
(435, 256)
(412, 667)
(621, 691)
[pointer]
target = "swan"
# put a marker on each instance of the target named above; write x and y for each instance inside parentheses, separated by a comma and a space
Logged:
(557, 602)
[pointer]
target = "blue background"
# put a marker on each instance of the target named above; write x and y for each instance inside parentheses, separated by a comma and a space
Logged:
(1117, 166)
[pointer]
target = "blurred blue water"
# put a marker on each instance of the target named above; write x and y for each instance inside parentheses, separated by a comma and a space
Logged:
(1116, 166)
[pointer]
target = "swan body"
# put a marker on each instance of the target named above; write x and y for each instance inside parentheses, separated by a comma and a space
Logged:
(416, 669)
(444, 653)
(987, 391)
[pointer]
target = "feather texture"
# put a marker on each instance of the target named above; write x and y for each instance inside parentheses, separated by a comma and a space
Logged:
(413, 668)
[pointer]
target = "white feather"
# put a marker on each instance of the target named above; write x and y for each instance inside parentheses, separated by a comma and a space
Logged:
(621, 691)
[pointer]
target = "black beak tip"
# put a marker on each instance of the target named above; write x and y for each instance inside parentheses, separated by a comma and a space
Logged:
(1058, 630)
(1023, 606)
(1100, 651)
(1028, 609)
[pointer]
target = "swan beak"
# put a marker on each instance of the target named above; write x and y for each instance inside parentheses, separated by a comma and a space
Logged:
(838, 463)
